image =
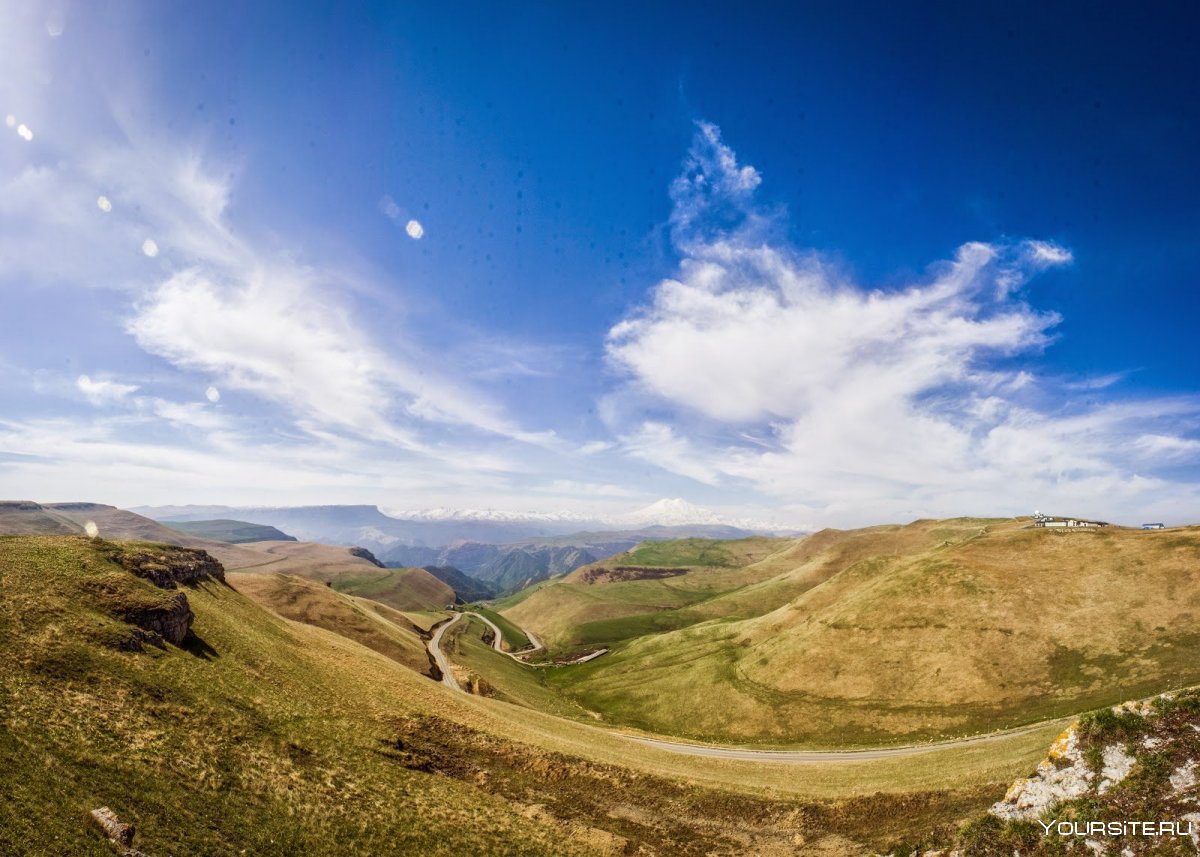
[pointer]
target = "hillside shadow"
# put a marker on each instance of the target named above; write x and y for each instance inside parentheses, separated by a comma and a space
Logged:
(194, 644)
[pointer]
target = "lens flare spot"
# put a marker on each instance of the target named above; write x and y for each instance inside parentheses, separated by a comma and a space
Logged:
(91, 529)
(103, 203)
(212, 394)
(388, 207)
(150, 247)
(24, 133)
(10, 120)
(414, 229)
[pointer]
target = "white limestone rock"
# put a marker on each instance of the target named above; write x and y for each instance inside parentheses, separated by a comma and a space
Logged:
(1062, 775)
(1184, 777)
(1117, 765)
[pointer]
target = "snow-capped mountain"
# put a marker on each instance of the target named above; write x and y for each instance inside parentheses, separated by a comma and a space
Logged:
(671, 513)
(496, 515)
(668, 512)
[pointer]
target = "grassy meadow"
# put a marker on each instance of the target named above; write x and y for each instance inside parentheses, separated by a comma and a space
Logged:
(888, 635)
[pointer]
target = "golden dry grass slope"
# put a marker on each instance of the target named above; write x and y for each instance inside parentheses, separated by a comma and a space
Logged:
(375, 626)
(398, 588)
(269, 737)
(885, 635)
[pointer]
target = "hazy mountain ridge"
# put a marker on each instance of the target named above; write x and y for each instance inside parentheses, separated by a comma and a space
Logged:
(507, 549)
(233, 532)
(437, 528)
(514, 566)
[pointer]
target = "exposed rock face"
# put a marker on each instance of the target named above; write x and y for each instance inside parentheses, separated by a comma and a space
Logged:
(167, 566)
(169, 623)
(169, 619)
(1062, 775)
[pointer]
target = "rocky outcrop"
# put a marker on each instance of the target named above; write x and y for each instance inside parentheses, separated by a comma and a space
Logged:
(116, 831)
(168, 618)
(1108, 779)
(167, 566)
(1065, 774)
(169, 623)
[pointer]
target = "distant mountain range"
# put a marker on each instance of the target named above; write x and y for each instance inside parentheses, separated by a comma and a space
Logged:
(368, 525)
(663, 513)
(507, 550)
(233, 532)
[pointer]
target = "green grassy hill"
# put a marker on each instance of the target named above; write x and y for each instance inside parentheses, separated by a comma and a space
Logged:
(890, 634)
(266, 736)
(270, 737)
(576, 612)
(513, 638)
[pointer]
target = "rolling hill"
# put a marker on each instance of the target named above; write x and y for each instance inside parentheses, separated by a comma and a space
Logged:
(28, 518)
(274, 737)
(370, 623)
(888, 634)
(348, 570)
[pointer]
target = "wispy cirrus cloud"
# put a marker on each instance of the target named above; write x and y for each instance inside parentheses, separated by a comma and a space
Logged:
(866, 404)
(106, 201)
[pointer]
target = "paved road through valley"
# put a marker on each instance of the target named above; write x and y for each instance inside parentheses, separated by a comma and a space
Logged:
(497, 642)
(439, 657)
(715, 752)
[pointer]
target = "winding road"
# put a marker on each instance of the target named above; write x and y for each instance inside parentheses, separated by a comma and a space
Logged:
(439, 657)
(498, 640)
(715, 752)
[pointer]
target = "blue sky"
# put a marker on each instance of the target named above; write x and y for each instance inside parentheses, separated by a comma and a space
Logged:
(828, 265)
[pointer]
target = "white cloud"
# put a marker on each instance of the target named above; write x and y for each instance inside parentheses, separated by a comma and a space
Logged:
(772, 370)
(102, 392)
(658, 444)
(272, 336)
(247, 312)
(190, 414)
(749, 334)
(1047, 253)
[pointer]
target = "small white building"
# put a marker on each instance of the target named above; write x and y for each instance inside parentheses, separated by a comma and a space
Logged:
(1154, 526)
(1040, 520)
